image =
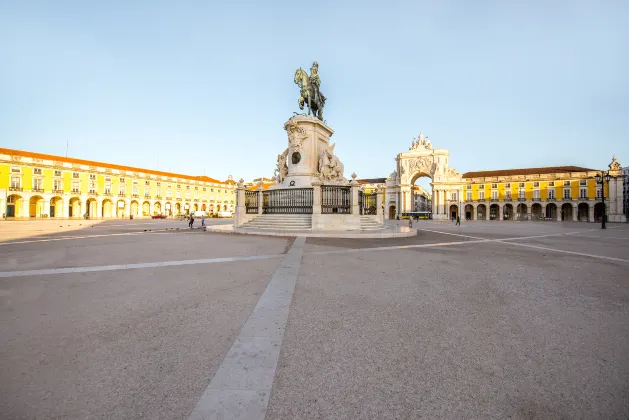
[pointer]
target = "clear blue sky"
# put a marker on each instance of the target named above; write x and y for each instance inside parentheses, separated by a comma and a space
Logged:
(198, 86)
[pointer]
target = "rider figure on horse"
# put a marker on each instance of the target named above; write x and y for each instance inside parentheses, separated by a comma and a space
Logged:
(315, 81)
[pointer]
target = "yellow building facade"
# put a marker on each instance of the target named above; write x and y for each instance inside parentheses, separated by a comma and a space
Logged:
(40, 185)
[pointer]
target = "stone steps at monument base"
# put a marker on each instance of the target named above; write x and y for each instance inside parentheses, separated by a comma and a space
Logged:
(281, 222)
(367, 223)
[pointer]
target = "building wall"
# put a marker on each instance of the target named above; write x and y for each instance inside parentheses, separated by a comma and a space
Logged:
(54, 186)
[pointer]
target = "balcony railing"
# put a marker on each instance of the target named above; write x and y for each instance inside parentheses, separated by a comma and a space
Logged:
(147, 196)
(508, 199)
(39, 190)
(537, 199)
(494, 200)
(159, 197)
(75, 191)
(15, 188)
(107, 194)
(521, 198)
(135, 195)
(57, 191)
(551, 199)
(92, 192)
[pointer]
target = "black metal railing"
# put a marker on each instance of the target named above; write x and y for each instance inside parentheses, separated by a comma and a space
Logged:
(288, 201)
(336, 199)
(367, 203)
(251, 202)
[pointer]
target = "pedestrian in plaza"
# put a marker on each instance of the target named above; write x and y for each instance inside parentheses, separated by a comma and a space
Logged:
(191, 222)
(410, 222)
(203, 220)
(458, 221)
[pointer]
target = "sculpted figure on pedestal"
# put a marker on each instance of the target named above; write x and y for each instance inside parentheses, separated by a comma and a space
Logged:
(421, 142)
(281, 169)
(296, 136)
(330, 167)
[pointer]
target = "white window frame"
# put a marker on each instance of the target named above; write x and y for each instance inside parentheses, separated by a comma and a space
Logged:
(469, 196)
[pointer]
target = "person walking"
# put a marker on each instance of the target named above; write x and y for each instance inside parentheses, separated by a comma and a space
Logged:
(191, 222)
(458, 221)
(203, 220)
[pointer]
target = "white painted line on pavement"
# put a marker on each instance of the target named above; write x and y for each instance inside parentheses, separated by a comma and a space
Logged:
(241, 387)
(96, 268)
(448, 233)
(66, 238)
(603, 257)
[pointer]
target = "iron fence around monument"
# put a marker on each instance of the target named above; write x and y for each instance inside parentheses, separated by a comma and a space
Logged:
(251, 202)
(336, 199)
(367, 203)
(287, 201)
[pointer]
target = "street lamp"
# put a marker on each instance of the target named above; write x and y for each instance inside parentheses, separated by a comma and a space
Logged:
(602, 178)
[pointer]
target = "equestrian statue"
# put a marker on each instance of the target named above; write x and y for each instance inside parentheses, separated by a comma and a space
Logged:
(310, 95)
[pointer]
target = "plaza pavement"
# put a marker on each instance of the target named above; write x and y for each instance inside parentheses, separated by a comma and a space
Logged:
(136, 319)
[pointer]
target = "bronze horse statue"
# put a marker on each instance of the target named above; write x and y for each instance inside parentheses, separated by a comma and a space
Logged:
(309, 94)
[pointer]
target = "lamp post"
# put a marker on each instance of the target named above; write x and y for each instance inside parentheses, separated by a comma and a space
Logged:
(602, 178)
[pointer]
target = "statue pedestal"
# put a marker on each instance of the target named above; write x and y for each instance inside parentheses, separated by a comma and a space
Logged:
(307, 137)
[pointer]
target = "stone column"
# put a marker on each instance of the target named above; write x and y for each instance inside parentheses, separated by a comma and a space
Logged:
(446, 210)
(83, 207)
(575, 212)
(501, 210)
(317, 222)
(46, 209)
(591, 213)
(260, 197)
(99, 207)
(435, 202)
(3, 204)
(558, 212)
(66, 207)
(474, 212)
(529, 211)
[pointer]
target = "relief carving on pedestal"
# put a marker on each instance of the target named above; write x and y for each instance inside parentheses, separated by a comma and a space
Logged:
(330, 167)
(296, 136)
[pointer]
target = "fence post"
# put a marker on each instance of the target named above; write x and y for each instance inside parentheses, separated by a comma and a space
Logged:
(240, 202)
(354, 199)
(316, 204)
(379, 204)
(260, 197)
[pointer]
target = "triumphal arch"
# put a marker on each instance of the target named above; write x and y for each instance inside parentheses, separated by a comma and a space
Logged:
(422, 159)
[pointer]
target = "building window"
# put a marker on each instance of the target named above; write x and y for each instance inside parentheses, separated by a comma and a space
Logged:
(134, 190)
(583, 193)
(178, 194)
(92, 187)
(551, 194)
(536, 194)
(536, 184)
(469, 196)
(37, 184)
(169, 194)
(494, 185)
(16, 182)
(551, 184)
(57, 173)
(75, 187)
(481, 195)
(196, 195)
(15, 170)
(583, 182)
(122, 180)
(507, 185)
(147, 183)
(187, 187)
(36, 171)
(196, 188)
(75, 175)
(57, 185)
(159, 192)
(599, 194)
(522, 194)
(566, 194)
(481, 187)
(187, 196)
(469, 187)
(92, 176)
(204, 188)
(521, 184)
(494, 195)
(178, 186)
(507, 195)
(453, 196)
(121, 190)
(159, 184)
(566, 183)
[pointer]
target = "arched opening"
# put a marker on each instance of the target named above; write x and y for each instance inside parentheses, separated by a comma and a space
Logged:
(196, 207)
(481, 212)
(203, 207)
(135, 207)
(120, 208)
(224, 207)
(146, 208)
(494, 212)
(536, 211)
(74, 209)
(91, 207)
(186, 208)
(454, 211)
(421, 195)
(56, 207)
(520, 212)
(566, 211)
(507, 212)
(551, 211)
(168, 208)
(14, 205)
(583, 211)
(36, 206)
(469, 211)
(157, 208)
(107, 210)
(177, 209)
(598, 212)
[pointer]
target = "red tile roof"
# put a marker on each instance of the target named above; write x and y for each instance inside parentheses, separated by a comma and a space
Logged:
(42, 156)
(526, 171)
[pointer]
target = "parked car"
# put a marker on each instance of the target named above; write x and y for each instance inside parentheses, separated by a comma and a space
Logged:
(158, 216)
